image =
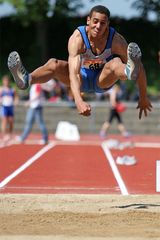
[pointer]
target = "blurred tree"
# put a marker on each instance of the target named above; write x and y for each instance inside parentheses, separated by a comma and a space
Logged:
(29, 10)
(37, 12)
(148, 6)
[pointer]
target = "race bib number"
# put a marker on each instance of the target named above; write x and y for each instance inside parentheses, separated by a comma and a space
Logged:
(93, 64)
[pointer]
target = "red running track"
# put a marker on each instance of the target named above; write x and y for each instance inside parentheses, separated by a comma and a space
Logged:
(79, 167)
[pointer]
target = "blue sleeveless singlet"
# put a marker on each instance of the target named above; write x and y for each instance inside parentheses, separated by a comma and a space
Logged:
(91, 64)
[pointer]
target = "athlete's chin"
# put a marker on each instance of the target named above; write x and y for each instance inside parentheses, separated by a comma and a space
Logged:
(96, 35)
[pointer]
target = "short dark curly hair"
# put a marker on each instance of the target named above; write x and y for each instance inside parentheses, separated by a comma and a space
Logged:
(100, 9)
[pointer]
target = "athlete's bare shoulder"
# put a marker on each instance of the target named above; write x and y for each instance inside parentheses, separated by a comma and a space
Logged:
(119, 46)
(75, 42)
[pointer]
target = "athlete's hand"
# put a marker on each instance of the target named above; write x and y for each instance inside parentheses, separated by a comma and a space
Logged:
(144, 106)
(83, 108)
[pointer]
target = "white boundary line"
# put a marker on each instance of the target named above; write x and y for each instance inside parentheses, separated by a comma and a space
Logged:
(147, 144)
(56, 188)
(114, 169)
(89, 142)
(158, 176)
(27, 164)
(60, 142)
(6, 145)
(83, 142)
(99, 143)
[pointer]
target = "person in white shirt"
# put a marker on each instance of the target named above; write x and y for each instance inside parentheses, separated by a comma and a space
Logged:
(35, 112)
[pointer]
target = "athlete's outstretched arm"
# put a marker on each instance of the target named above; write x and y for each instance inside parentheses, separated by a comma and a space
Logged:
(144, 104)
(74, 47)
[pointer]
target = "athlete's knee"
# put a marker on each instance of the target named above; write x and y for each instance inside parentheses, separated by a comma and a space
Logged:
(115, 64)
(52, 64)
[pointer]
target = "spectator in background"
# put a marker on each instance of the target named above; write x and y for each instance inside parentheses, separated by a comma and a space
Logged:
(34, 112)
(8, 98)
(55, 91)
(116, 109)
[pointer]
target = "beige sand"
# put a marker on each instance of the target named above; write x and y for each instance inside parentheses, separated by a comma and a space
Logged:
(75, 217)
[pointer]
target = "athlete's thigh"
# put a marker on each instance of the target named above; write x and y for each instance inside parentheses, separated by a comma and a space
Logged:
(62, 72)
(107, 76)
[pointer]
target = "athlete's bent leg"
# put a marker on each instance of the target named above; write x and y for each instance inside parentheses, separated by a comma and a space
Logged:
(112, 71)
(53, 69)
(115, 69)
(134, 60)
(19, 73)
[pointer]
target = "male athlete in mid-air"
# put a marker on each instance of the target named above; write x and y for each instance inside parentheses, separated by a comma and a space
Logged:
(98, 57)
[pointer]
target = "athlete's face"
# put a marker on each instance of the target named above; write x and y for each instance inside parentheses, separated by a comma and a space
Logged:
(98, 24)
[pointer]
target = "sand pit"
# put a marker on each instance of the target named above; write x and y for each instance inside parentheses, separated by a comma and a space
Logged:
(75, 217)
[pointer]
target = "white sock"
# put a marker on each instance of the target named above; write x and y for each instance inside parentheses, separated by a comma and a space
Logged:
(125, 71)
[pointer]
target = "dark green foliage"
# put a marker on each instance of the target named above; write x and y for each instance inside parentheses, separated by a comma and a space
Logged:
(146, 7)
